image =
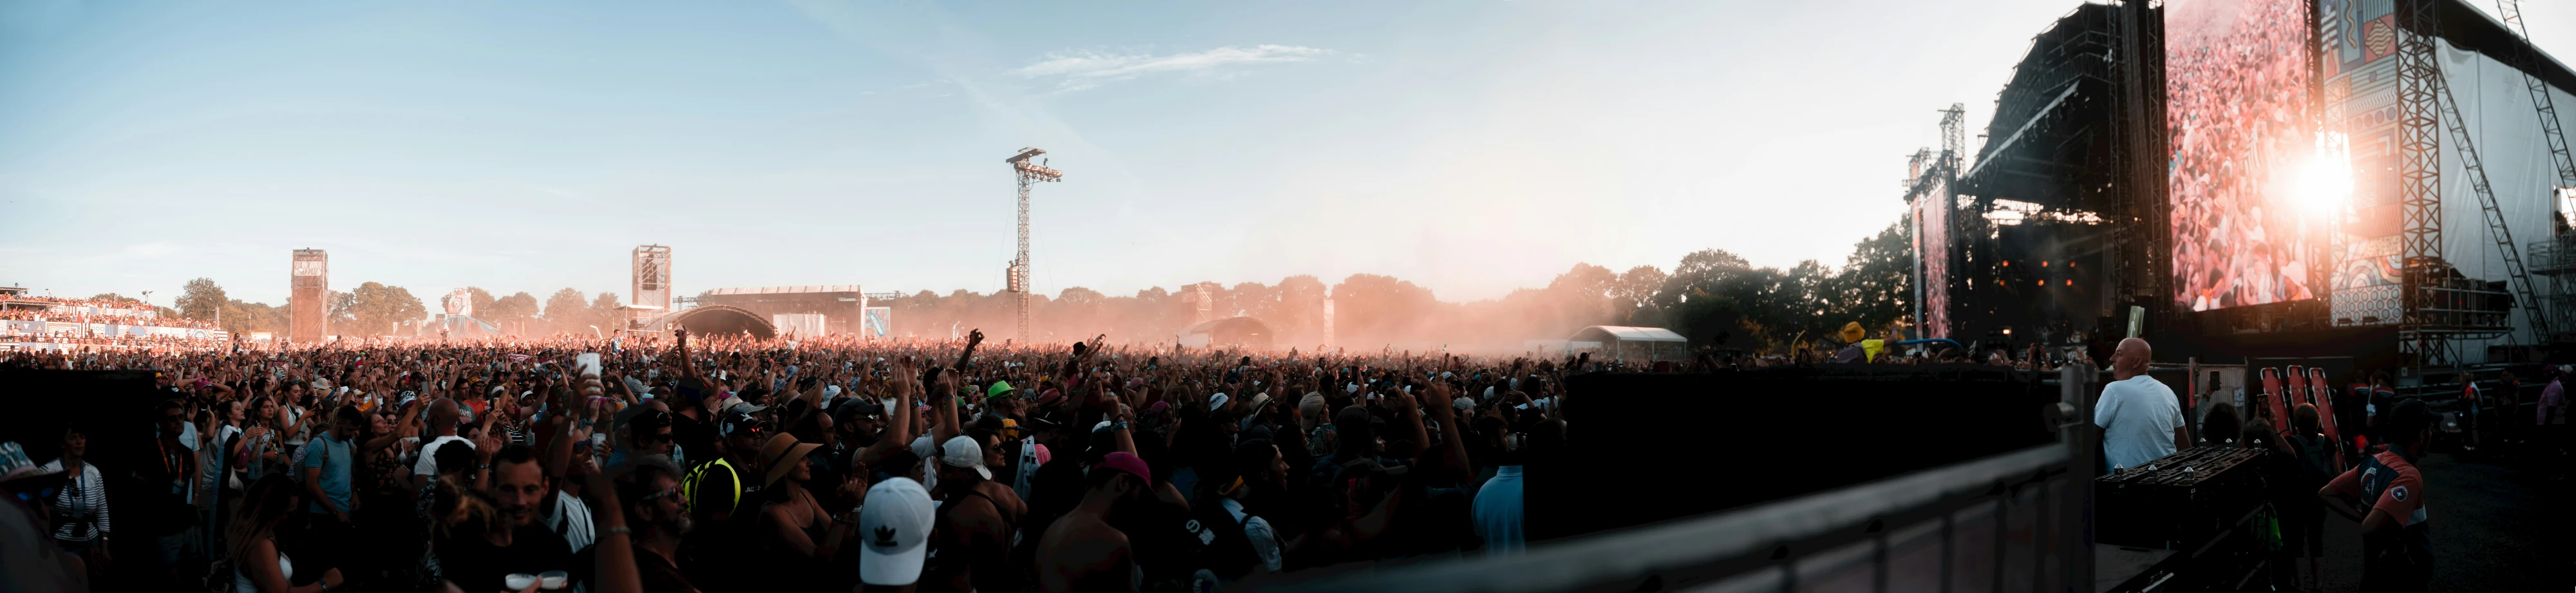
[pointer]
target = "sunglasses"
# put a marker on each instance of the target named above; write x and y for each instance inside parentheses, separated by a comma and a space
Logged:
(665, 493)
(653, 438)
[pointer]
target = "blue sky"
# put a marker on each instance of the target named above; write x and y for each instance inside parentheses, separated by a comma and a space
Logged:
(1471, 146)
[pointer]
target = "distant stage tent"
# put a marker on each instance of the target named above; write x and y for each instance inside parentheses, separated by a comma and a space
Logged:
(1629, 343)
(711, 320)
(1235, 331)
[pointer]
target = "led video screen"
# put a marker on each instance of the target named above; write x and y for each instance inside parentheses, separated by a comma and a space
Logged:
(1932, 245)
(2236, 111)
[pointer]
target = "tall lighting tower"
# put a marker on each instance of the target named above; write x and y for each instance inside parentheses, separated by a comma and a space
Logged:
(1027, 173)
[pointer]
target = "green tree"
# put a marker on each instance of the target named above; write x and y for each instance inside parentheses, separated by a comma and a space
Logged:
(375, 308)
(1714, 298)
(481, 300)
(200, 299)
(344, 311)
(1877, 287)
(603, 312)
(1373, 309)
(568, 312)
(245, 317)
(1299, 314)
(516, 307)
(1632, 297)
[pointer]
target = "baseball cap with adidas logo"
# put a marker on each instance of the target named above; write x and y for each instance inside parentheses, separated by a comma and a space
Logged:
(894, 532)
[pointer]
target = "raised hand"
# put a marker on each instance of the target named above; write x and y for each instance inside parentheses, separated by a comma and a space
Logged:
(906, 378)
(1399, 400)
(947, 385)
(1438, 398)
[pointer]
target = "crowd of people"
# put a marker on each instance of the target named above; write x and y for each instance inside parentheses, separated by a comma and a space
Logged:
(114, 315)
(690, 463)
(820, 464)
(69, 340)
(71, 302)
(58, 340)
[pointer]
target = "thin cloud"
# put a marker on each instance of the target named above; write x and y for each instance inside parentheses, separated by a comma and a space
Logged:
(1087, 69)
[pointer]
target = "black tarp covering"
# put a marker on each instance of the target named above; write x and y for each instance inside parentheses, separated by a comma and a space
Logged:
(1643, 448)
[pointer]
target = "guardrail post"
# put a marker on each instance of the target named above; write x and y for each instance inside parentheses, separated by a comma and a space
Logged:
(2075, 394)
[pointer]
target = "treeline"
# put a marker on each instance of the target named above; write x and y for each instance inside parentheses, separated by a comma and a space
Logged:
(1713, 297)
(566, 311)
(376, 309)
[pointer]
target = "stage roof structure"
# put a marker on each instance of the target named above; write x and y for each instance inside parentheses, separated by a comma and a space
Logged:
(1599, 333)
(1625, 342)
(1231, 331)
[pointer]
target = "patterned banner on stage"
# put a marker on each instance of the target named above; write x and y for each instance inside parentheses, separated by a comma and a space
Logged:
(2359, 43)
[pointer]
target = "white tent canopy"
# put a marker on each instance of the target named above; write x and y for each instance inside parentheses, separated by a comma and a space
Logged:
(1631, 343)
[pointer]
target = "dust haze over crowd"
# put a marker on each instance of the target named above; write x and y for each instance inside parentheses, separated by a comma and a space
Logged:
(1712, 296)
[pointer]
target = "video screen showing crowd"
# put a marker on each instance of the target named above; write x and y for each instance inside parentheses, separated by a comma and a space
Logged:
(2237, 111)
(689, 463)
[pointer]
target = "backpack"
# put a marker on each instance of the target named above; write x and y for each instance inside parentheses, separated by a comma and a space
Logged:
(2316, 458)
(295, 463)
(689, 488)
(219, 577)
(1218, 542)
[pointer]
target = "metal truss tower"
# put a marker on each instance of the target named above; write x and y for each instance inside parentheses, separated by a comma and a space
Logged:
(1954, 141)
(2419, 177)
(1027, 173)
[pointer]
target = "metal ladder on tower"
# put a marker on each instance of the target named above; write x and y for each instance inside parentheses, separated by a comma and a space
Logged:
(2518, 277)
(2526, 62)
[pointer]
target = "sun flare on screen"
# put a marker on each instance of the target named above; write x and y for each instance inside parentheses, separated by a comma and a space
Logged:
(2325, 181)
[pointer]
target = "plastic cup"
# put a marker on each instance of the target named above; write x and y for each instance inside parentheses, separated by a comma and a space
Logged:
(553, 579)
(519, 581)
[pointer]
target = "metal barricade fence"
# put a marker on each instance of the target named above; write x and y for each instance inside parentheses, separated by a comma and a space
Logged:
(2017, 521)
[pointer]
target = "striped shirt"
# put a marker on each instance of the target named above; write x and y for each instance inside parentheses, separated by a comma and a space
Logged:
(82, 504)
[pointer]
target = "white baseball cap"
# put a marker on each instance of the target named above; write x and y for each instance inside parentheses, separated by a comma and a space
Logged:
(1216, 401)
(963, 451)
(894, 532)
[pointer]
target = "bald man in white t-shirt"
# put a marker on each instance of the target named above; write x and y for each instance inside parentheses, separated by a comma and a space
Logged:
(2141, 419)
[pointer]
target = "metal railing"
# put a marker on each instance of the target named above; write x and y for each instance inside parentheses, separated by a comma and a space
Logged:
(2461, 307)
(2017, 521)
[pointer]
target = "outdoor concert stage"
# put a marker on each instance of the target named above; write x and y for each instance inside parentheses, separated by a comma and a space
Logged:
(2260, 179)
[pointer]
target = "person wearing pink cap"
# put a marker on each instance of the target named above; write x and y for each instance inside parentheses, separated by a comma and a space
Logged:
(1081, 551)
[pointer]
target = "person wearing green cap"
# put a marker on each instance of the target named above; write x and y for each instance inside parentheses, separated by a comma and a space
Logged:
(1000, 389)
